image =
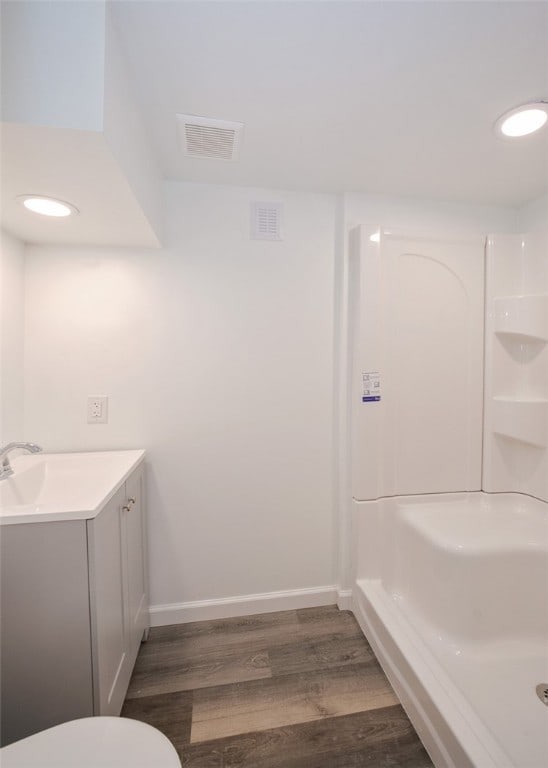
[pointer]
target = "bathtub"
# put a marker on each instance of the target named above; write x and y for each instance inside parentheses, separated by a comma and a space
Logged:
(451, 591)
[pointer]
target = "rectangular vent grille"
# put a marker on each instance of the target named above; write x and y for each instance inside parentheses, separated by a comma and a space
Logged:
(266, 221)
(206, 137)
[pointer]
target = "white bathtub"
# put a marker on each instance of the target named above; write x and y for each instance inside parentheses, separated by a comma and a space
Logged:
(452, 592)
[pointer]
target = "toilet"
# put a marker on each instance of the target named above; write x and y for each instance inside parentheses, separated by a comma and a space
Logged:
(93, 742)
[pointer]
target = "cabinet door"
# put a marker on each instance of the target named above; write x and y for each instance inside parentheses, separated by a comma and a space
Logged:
(135, 549)
(106, 559)
(45, 642)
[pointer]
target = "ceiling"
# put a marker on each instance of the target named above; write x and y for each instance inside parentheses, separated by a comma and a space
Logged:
(76, 166)
(378, 97)
(388, 98)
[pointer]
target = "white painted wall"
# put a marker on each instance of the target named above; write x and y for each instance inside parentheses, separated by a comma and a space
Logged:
(53, 63)
(216, 354)
(11, 337)
(124, 130)
(73, 128)
(427, 217)
(533, 217)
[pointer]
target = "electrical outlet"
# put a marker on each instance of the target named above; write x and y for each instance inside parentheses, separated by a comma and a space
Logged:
(97, 410)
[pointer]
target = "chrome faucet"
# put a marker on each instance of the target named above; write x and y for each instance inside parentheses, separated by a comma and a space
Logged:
(5, 467)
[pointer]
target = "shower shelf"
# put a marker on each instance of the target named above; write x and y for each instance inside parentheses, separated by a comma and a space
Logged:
(521, 419)
(522, 315)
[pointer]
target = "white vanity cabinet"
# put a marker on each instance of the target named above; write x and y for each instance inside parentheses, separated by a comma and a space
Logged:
(74, 612)
(118, 602)
(134, 526)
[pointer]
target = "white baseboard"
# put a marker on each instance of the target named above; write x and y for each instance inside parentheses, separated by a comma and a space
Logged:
(242, 605)
(344, 599)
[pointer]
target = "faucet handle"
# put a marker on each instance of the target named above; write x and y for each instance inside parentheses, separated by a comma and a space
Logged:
(5, 468)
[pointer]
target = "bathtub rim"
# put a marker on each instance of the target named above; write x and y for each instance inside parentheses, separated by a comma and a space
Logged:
(426, 693)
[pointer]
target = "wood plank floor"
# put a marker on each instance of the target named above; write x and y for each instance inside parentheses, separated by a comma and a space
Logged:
(293, 689)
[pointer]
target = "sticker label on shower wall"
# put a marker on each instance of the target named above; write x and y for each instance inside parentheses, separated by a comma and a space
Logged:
(371, 387)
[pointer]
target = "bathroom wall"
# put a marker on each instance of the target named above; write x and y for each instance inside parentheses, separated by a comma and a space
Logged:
(216, 356)
(224, 358)
(11, 337)
(427, 217)
(53, 57)
(71, 123)
(533, 217)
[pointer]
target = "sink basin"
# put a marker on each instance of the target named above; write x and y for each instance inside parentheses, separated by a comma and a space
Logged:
(63, 486)
(24, 486)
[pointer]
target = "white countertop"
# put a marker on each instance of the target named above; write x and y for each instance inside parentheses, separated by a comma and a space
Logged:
(47, 487)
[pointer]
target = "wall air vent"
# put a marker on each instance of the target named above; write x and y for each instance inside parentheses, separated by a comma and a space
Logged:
(266, 221)
(206, 137)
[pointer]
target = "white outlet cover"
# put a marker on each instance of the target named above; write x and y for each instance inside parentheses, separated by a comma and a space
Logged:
(97, 410)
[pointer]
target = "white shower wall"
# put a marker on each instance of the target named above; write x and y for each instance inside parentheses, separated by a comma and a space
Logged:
(419, 327)
(418, 558)
(415, 217)
(416, 316)
(516, 365)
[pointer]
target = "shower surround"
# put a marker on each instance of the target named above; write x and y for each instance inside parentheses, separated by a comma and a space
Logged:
(450, 494)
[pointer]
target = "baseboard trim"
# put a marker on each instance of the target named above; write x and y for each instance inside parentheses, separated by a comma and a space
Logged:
(242, 605)
(344, 599)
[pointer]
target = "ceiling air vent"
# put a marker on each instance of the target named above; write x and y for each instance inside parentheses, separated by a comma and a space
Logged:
(206, 137)
(266, 221)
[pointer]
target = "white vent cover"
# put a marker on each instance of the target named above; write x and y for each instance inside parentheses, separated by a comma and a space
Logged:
(206, 137)
(266, 221)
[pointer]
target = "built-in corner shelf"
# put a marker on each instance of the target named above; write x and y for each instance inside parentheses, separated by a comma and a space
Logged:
(522, 315)
(521, 419)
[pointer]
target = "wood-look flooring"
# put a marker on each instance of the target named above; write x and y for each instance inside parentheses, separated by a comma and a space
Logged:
(293, 689)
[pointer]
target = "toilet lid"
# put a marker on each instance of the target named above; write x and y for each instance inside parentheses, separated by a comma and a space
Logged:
(93, 742)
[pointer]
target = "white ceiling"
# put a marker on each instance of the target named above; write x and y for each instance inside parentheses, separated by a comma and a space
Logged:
(380, 97)
(76, 166)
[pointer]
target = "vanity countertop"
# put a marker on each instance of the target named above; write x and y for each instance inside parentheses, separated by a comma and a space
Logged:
(48, 487)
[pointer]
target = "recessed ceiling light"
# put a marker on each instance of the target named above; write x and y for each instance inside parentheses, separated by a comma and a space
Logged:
(47, 206)
(523, 120)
